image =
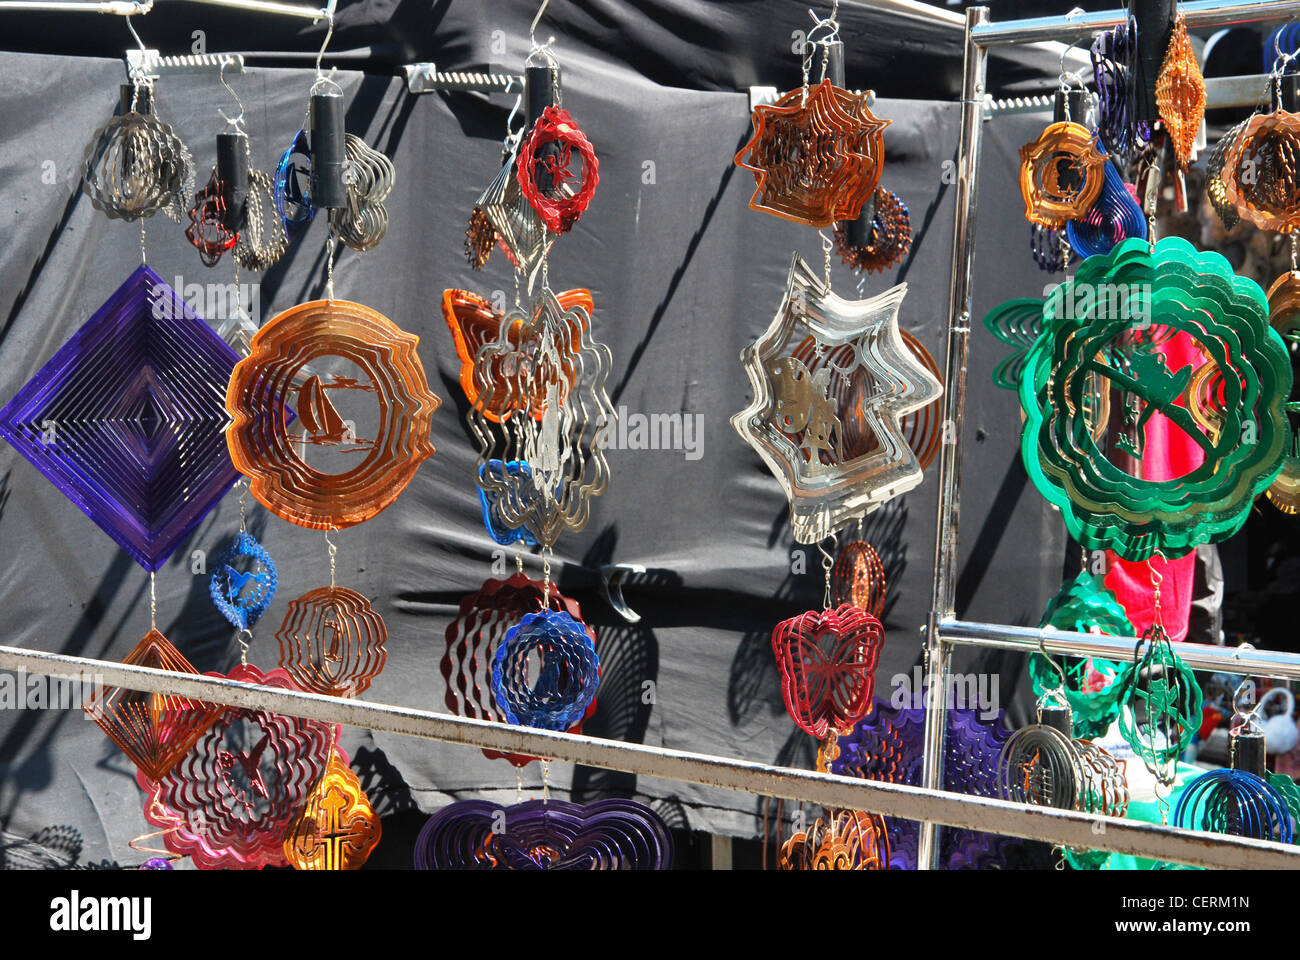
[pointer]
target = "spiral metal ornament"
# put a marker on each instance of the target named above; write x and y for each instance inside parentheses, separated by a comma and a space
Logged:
(332, 642)
(553, 195)
(1261, 174)
(1039, 765)
(242, 596)
(553, 834)
(1180, 93)
(293, 185)
(262, 239)
(207, 230)
(1160, 705)
(1050, 252)
(1215, 187)
(567, 679)
(480, 239)
(1114, 217)
(858, 578)
(1113, 56)
(889, 241)
(1061, 174)
(370, 176)
(135, 166)
(845, 840)
(1284, 317)
(1234, 802)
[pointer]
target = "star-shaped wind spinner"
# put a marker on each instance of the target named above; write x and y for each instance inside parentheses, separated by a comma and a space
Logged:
(827, 424)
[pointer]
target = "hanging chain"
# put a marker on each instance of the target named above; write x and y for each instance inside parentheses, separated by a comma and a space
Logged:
(329, 268)
(828, 563)
(546, 781)
(519, 785)
(144, 259)
(827, 246)
(244, 638)
(333, 549)
(153, 600)
(546, 577)
(1295, 253)
(1157, 578)
(243, 500)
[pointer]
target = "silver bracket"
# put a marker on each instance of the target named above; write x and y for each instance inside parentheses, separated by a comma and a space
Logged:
(425, 78)
(152, 65)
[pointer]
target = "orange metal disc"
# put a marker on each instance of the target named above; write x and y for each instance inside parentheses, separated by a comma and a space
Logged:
(266, 383)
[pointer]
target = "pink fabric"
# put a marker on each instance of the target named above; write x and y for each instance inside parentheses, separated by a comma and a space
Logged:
(1168, 453)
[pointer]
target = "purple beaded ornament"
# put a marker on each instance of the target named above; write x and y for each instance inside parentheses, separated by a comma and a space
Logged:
(128, 418)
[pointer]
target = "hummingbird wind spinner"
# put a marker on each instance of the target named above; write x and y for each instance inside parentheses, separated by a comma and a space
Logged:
(832, 380)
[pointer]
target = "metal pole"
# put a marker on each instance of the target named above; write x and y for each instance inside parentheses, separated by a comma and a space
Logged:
(1198, 656)
(1065, 827)
(1199, 13)
(945, 536)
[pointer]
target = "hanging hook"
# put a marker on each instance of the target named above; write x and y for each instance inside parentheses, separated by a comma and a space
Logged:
(1042, 648)
(236, 122)
(532, 29)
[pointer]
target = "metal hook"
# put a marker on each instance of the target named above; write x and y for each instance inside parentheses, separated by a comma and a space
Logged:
(128, 17)
(1245, 710)
(1042, 646)
(236, 122)
(329, 32)
(543, 50)
(532, 29)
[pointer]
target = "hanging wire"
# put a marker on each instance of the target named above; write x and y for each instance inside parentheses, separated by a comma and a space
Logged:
(236, 122)
(153, 600)
(828, 564)
(333, 550)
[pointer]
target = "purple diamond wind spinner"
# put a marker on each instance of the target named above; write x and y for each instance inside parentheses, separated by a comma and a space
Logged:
(128, 418)
(545, 835)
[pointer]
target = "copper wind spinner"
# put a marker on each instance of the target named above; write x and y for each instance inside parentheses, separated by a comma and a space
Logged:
(816, 155)
(1061, 174)
(1180, 93)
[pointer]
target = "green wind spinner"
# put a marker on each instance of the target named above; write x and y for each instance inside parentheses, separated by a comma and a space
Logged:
(1091, 684)
(1135, 299)
(1159, 705)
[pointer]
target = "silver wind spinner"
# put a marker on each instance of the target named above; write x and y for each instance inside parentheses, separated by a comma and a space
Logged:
(370, 177)
(136, 166)
(541, 418)
(262, 239)
(521, 231)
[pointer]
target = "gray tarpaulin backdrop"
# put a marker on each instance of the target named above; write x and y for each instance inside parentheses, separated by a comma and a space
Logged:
(684, 275)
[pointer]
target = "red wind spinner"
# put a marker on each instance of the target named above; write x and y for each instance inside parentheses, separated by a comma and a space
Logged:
(206, 230)
(472, 639)
(828, 661)
(229, 802)
(567, 192)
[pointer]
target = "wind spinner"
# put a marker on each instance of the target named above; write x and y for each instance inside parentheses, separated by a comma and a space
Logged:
(613, 834)
(337, 829)
(885, 745)
(229, 801)
(1159, 704)
(473, 637)
(817, 153)
(1044, 765)
(879, 238)
(1284, 317)
(1259, 175)
(842, 840)
(1091, 684)
(1180, 93)
(1243, 800)
(832, 380)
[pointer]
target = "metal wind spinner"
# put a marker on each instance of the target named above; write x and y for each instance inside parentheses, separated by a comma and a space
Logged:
(369, 176)
(832, 379)
(136, 166)
(522, 234)
(540, 399)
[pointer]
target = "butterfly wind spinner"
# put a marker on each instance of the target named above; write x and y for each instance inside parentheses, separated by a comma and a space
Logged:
(832, 379)
(828, 662)
(540, 400)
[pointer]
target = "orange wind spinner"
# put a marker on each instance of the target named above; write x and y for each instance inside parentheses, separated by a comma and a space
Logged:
(1284, 317)
(274, 378)
(858, 577)
(332, 642)
(337, 829)
(1180, 93)
(1259, 174)
(816, 155)
(846, 840)
(155, 730)
(1061, 174)
(474, 323)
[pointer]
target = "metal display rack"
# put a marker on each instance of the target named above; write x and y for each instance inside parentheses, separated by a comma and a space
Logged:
(944, 630)
(929, 803)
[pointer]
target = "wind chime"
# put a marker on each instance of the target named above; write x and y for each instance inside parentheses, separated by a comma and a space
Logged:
(833, 380)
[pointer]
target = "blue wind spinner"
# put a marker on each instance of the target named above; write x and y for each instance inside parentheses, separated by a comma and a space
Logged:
(293, 186)
(1114, 217)
(497, 530)
(567, 676)
(242, 597)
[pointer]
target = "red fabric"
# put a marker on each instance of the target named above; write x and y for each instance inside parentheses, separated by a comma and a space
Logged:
(1168, 453)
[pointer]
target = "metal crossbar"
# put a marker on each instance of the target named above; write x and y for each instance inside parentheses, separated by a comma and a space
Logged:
(943, 631)
(889, 799)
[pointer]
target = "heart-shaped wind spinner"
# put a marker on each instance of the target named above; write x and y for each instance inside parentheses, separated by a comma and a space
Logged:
(828, 662)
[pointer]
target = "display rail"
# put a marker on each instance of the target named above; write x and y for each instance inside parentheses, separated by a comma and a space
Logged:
(943, 629)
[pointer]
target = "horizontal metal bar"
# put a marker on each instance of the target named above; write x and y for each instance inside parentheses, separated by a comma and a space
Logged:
(151, 63)
(1199, 13)
(1198, 656)
(1084, 831)
(1243, 91)
(122, 8)
(270, 6)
